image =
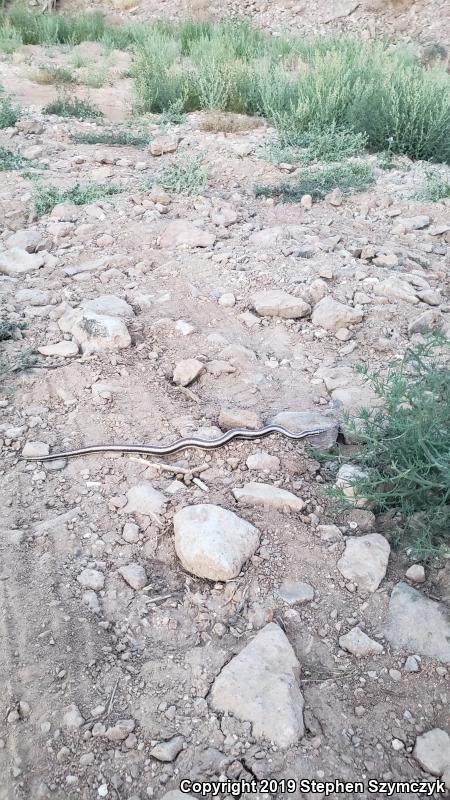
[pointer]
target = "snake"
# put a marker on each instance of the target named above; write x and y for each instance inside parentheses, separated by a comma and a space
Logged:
(179, 444)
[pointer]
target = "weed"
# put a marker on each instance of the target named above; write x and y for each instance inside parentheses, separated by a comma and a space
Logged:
(333, 144)
(47, 197)
(437, 187)
(9, 114)
(112, 138)
(227, 122)
(350, 178)
(405, 446)
(9, 328)
(174, 115)
(10, 39)
(96, 78)
(66, 106)
(10, 160)
(25, 360)
(54, 75)
(186, 177)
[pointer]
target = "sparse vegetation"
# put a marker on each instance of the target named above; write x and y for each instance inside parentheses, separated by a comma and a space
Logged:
(66, 106)
(9, 328)
(9, 113)
(227, 122)
(112, 138)
(54, 75)
(187, 176)
(25, 360)
(47, 197)
(319, 181)
(333, 144)
(437, 187)
(405, 447)
(381, 92)
(10, 160)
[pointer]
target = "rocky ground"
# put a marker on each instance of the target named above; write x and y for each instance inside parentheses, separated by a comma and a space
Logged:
(208, 614)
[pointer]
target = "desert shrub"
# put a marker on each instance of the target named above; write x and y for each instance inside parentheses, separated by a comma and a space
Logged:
(54, 75)
(47, 197)
(66, 106)
(437, 187)
(9, 113)
(116, 137)
(319, 181)
(186, 176)
(404, 447)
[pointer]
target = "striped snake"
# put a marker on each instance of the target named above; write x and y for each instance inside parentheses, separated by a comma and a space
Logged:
(180, 444)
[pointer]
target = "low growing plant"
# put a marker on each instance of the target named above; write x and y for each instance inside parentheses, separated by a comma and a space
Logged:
(186, 177)
(319, 181)
(112, 138)
(437, 187)
(66, 106)
(9, 113)
(404, 447)
(47, 197)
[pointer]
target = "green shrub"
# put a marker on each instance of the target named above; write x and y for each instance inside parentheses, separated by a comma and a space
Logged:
(437, 187)
(318, 181)
(47, 197)
(66, 106)
(54, 75)
(187, 176)
(10, 160)
(9, 114)
(9, 328)
(333, 144)
(405, 447)
(111, 138)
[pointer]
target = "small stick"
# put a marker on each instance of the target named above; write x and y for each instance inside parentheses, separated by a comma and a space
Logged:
(111, 699)
(158, 597)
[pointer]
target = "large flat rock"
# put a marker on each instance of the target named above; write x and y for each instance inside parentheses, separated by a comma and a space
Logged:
(418, 624)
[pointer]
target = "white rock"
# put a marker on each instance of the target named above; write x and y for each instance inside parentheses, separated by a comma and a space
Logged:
(415, 573)
(95, 333)
(395, 288)
(33, 449)
(130, 532)
(264, 494)
(365, 561)
(263, 462)
(91, 579)
(295, 592)
(121, 730)
(33, 297)
(134, 575)
(227, 300)
(110, 305)
(276, 303)
(359, 644)
(414, 223)
(346, 479)
(187, 371)
(332, 315)
(26, 239)
(418, 624)
(411, 664)
(182, 233)
(144, 499)
(72, 717)
(18, 262)
(167, 751)
(432, 751)
(91, 600)
(239, 418)
(298, 421)
(64, 349)
(260, 685)
(212, 542)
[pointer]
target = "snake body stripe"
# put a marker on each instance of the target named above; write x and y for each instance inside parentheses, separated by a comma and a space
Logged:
(180, 444)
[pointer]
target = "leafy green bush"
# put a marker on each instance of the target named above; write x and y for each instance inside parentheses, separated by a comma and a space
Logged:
(9, 328)
(186, 177)
(10, 160)
(47, 197)
(9, 114)
(437, 187)
(405, 446)
(318, 181)
(66, 106)
(111, 138)
(333, 144)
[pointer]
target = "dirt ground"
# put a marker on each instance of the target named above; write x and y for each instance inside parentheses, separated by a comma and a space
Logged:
(74, 662)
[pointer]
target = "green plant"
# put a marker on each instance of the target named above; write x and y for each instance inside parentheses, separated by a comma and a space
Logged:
(9, 328)
(96, 78)
(9, 114)
(350, 178)
(47, 197)
(66, 106)
(10, 39)
(10, 160)
(25, 360)
(404, 446)
(186, 177)
(437, 187)
(54, 75)
(112, 138)
(333, 144)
